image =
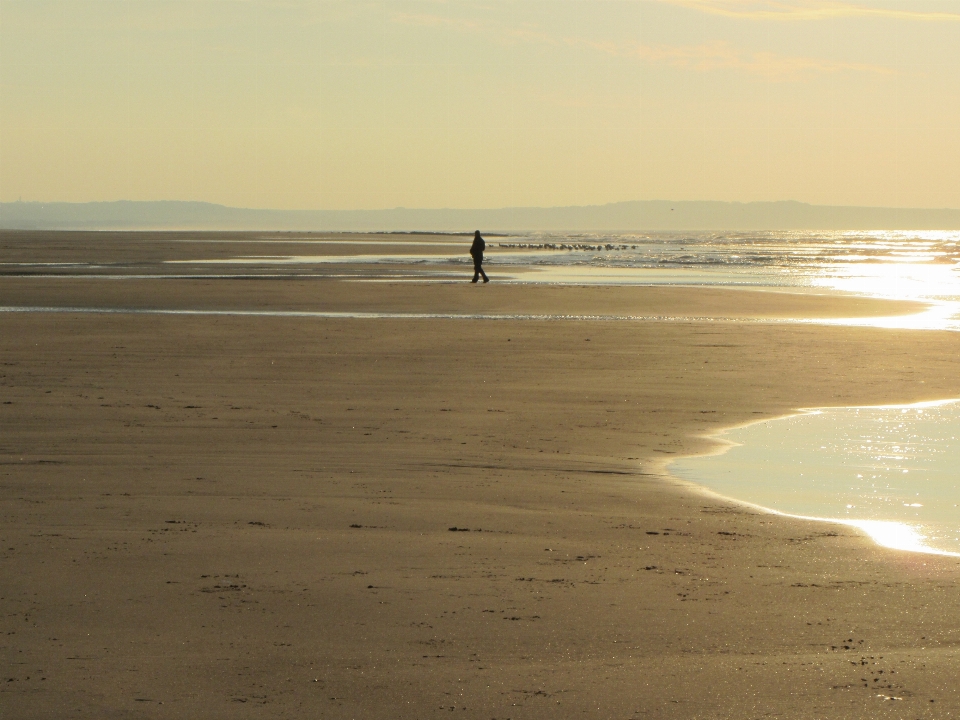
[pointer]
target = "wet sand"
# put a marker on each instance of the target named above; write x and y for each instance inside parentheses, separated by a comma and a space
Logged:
(252, 517)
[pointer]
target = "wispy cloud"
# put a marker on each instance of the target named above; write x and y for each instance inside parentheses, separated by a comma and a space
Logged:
(705, 57)
(722, 56)
(806, 10)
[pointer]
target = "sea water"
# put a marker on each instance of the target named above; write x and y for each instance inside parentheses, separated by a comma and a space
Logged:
(921, 265)
(893, 471)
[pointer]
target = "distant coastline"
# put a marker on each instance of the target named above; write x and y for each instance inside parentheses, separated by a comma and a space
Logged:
(640, 216)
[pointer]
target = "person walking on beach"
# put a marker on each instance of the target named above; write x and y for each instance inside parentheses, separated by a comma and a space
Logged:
(476, 252)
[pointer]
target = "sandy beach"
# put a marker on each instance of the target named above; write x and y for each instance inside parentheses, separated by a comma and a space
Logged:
(229, 516)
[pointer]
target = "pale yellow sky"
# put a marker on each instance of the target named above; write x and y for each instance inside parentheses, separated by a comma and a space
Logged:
(429, 104)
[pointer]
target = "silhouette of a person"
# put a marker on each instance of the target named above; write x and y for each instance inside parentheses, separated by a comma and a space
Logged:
(476, 252)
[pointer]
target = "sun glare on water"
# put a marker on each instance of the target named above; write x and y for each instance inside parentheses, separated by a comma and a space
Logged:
(890, 471)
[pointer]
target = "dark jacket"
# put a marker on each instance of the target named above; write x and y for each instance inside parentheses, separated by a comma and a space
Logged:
(476, 250)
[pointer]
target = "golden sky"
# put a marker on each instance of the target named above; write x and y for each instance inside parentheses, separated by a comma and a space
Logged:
(340, 105)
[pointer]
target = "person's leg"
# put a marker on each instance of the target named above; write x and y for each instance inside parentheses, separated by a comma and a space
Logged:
(485, 278)
(476, 270)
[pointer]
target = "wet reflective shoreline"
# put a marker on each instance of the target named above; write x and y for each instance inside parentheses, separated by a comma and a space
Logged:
(891, 471)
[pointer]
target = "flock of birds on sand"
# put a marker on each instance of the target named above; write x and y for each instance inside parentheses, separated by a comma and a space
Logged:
(563, 246)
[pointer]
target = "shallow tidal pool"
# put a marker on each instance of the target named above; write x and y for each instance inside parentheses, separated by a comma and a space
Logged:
(892, 471)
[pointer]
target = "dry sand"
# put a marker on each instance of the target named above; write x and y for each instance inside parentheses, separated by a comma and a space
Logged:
(230, 517)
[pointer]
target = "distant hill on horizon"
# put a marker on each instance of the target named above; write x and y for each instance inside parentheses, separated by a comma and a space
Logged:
(638, 215)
